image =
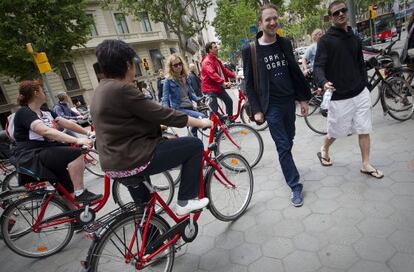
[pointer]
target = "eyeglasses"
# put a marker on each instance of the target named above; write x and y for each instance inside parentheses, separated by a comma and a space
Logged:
(177, 65)
(336, 13)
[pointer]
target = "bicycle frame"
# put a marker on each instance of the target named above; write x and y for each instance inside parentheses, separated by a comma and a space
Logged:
(56, 220)
(180, 221)
(241, 98)
(217, 123)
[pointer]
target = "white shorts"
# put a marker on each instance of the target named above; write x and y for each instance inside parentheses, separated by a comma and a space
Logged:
(353, 114)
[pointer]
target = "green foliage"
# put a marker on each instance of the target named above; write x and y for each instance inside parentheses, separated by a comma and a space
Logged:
(51, 26)
(232, 23)
(178, 15)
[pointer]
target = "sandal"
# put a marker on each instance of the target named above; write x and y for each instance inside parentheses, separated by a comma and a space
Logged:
(324, 161)
(374, 173)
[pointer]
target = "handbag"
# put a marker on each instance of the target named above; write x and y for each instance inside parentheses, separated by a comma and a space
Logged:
(255, 83)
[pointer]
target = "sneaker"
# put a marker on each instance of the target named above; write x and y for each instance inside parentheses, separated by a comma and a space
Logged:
(86, 197)
(297, 198)
(192, 205)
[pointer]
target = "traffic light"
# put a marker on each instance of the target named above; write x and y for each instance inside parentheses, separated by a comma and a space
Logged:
(372, 11)
(146, 65)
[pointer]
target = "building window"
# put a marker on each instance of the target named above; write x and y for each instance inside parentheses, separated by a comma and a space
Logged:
(173, 50)
(69, 76)
(156, 59)
(121, 23)
(146, 24)
(92, 27)
(3, 100)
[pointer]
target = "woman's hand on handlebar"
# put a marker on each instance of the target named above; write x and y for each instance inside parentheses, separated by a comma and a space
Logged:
(207, 123)
(84, 142)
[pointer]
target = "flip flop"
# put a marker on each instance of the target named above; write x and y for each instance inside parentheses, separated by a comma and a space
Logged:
(324, 161)
(374, 173)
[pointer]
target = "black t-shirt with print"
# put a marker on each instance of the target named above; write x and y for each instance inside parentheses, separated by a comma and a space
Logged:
(22, 121)
(280, 82)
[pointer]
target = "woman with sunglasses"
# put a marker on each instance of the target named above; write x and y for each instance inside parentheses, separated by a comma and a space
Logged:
(177, 92)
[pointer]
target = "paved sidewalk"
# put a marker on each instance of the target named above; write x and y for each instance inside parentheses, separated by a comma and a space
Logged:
(349, 221)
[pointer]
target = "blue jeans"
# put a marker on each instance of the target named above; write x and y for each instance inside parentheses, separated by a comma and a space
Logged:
(195, 114)
(281, 121)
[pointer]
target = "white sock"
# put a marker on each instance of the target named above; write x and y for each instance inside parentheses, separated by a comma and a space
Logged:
(78, 192)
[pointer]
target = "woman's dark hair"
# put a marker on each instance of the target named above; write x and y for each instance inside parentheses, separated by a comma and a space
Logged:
(113, 57)
(209, 45)
(27, 90)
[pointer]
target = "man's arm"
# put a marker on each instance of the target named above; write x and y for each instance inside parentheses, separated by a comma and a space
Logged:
(248, 76)
(212, 73)
(58, 109)
(321, 59)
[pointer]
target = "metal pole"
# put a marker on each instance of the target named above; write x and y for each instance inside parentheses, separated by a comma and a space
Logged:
(351, 12)
(48, 90)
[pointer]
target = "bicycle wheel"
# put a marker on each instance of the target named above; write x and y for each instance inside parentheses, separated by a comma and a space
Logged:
(10, 182)
(229, 200)
(92, 163)
(162, 183)
(16, 226)
(397, 98)
(112, 252)
(247, 138)
(317, 117)
(245, 119)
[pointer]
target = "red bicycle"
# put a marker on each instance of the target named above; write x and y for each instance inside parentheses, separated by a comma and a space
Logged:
(136, 239)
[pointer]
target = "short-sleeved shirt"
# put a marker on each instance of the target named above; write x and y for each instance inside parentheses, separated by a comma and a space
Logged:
(310, 54)
(24, 121)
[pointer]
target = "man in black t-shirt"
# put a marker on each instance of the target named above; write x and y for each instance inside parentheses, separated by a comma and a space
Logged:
(280, 83)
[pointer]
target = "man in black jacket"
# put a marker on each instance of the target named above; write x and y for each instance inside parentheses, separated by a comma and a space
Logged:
(281, 82)
(339, 68)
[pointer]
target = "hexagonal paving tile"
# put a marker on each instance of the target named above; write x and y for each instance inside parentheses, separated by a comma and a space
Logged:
(403, 188)
(277, 247)
(187, 262)
(215, 228)
(382, 194)
(403, 220)
(318, 222)
(403, 241)
(325, 206)
(347, 216)
(374, 249)
(288, 228)
(258, 234)
(351, 200)
(201, 245)
(329, 192)
(338, 256)
(334, 181)
(401, 176)
(245, 254)
(308, 242)
(243, 223)
(368, 266)
(377, 227)
(295, 213)
(231, 268)
(301, 261)
(343, 235)
(329, 269)
(354, 188)
(402, 262)
(403, 203)
(215, 258)
(269, 217)
(278, 203)
(377, 209)
(266, 264)
(230, 239)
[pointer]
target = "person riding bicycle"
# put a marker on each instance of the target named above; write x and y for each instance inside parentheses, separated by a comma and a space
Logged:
(42, 151)
(215, 79)
(310, 52)
(177, 90)
(128, 131)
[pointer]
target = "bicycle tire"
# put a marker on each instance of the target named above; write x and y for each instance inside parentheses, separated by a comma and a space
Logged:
(246, 120)
(162, 183)
(10, 182)
(316, 120)
(12, 236)
(92, 163)
(397, 98)
(220, 195)
(249, 140)
(114, 241)
(375, 93)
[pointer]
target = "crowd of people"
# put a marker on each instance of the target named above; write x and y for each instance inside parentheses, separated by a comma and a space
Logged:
(127, 123)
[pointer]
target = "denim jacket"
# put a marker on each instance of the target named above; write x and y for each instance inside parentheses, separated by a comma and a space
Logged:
(171, 96)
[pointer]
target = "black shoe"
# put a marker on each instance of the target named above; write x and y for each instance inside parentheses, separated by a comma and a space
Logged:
(87, 197)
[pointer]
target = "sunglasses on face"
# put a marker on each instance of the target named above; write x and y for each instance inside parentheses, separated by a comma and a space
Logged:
(336, 13)
(177, 65)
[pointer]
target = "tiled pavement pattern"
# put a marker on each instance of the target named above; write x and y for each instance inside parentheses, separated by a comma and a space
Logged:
(349, 222)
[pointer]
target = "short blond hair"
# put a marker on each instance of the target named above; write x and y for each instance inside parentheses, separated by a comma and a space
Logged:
(315, 32)
(169, 69)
